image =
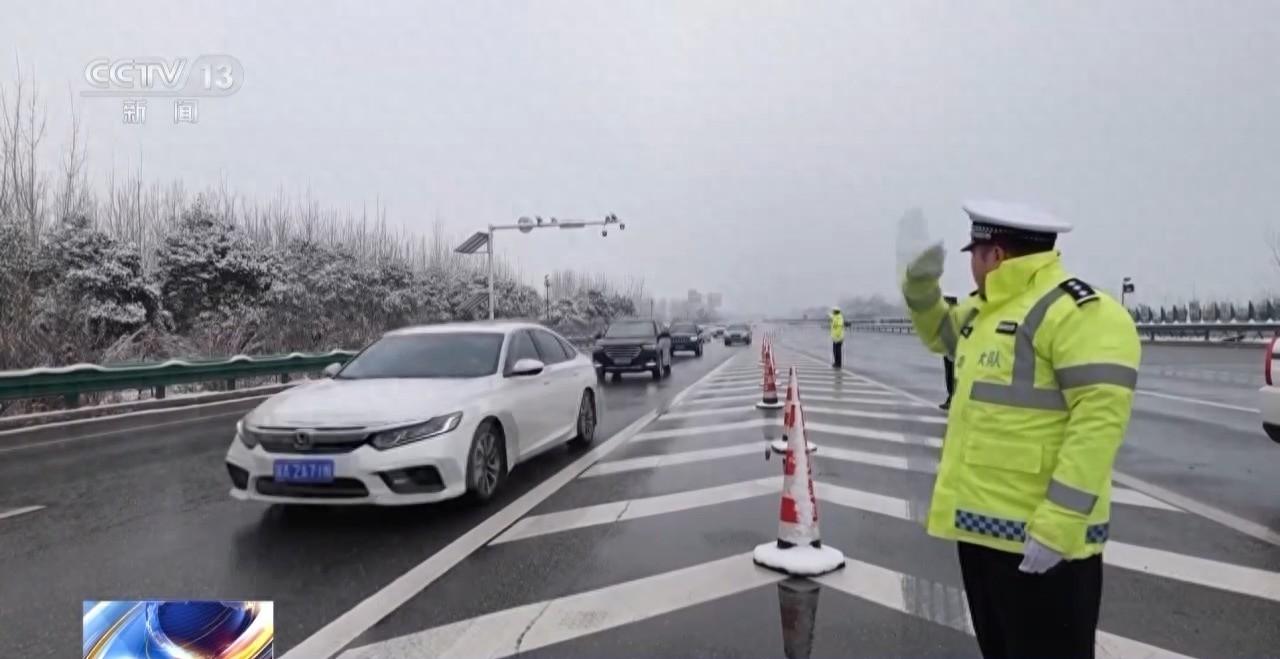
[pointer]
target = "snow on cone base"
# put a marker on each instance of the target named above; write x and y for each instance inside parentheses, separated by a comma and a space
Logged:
(799, 550)
(800, 560)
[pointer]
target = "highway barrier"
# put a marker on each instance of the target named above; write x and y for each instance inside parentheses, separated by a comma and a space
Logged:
(1224, 331)
(72, 381)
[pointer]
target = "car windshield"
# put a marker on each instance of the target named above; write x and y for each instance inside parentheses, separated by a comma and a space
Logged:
(738, 328)
(630, 330)
(442, 355)
(685, 328)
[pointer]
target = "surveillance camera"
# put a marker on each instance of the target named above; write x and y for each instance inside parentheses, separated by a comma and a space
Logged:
(604, 232)
(622, 226)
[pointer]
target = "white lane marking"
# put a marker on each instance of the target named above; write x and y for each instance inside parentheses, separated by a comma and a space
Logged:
(19, 511)
(828, 452)
(702, 430)
(336, 635)
(523, 628)
(1179, 567)
(667, 459)
(1199, 401)
(846, 431)
(1211, 513)
(878, 398)
(5, 434)
(948, 605)
(129, 430)
(1191, 569)
(804, 389)
(621, 511)
(939, 420)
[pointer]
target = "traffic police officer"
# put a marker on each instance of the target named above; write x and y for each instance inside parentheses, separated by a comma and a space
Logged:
(837, 338)
(1045, 373)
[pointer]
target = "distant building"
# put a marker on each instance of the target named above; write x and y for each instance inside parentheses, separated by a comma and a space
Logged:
(713, 301)
(694, 298)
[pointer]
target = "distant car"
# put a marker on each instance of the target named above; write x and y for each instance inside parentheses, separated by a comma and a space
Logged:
(737, 333)
(716, 331)
(687, 337)
(422, 414)
(1269, 396)
(633, 346)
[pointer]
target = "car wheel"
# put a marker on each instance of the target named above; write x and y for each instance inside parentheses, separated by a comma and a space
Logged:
(616, 376)
(486, 462)
(587, 420)
(657, 369)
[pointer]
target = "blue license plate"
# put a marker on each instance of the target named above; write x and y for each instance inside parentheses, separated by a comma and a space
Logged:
(303, 471)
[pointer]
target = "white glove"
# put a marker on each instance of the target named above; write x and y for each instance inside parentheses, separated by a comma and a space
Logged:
(913, 244)
(1037, 558)
(928, 264)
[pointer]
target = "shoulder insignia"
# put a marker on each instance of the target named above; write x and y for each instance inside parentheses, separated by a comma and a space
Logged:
(1079, 291)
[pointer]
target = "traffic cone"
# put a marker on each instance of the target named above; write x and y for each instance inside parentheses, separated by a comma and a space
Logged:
(798, 551)
(780, 446)
(769, 400)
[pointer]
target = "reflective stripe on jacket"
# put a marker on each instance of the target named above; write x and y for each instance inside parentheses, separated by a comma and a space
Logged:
(837, 327)
(1045, 372)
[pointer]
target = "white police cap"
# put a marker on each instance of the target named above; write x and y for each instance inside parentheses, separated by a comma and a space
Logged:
(993, 219)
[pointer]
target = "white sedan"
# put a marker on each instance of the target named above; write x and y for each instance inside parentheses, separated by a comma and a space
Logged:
(423, 414)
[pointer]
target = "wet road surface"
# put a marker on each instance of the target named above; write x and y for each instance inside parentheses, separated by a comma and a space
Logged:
(144, 513)
(647, 553)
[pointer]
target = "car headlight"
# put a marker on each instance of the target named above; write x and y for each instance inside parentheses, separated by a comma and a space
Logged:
(417, 432)
(246, 437)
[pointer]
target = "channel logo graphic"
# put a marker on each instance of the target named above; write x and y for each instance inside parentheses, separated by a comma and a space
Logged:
(178, 629)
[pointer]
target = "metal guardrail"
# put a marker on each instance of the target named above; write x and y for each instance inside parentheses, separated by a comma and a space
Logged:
(71, 381)
(1238, 329)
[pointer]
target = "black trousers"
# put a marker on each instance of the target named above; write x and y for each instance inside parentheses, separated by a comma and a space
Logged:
(837, 353)
(1018, 615)
(949, 368)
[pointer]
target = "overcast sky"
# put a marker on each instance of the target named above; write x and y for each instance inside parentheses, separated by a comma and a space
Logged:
(765, 150)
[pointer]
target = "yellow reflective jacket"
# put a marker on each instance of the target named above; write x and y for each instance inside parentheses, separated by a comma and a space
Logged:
(1045, 372)
(837, 326)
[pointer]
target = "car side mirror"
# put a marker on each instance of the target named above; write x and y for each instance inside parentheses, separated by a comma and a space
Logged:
(332, 370)
(526, 367)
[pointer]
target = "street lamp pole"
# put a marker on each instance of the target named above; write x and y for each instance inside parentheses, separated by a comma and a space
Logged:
(546, 281)
(1126, 287)
(527, 225)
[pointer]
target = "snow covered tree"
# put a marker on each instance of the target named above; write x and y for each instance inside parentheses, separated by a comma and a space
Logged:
(92, 288)
(206, 264)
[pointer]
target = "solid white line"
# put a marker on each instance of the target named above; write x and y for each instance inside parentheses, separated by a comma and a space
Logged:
(804, 389)
(872, 434)
(668, 459)
(1198, 401)
(719, 411)
(948, 605)
(333, 637)
(511, 631)
(195, 404)
(129, 430)
(621, 511)
(19, 511)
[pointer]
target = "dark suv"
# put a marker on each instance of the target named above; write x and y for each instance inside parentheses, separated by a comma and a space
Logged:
(686, 336)
(633, 346)
(737, 333)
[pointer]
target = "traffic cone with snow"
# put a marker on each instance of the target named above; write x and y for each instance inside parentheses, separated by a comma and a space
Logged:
(769, 400)
(780, 446)
(798, 551)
